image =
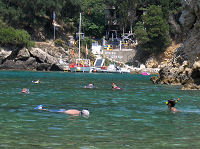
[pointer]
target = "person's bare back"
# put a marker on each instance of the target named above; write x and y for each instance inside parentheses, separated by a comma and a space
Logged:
(74, 112)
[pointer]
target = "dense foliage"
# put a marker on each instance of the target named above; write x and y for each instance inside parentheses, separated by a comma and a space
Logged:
(93, 17)
(153, 33)
(148, 19)
(12, 37)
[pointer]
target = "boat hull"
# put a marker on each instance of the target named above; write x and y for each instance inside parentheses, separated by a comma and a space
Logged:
(80, 69)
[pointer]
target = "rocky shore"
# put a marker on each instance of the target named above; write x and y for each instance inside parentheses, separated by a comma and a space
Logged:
(184, 68)
(45, 56)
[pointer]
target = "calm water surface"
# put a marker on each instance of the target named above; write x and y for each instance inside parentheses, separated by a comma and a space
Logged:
(133, 118)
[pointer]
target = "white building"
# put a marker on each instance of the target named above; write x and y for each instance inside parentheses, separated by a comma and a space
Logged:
(97, 49)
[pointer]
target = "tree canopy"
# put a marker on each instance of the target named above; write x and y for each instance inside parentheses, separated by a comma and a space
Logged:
(153, 32)
(93, 17)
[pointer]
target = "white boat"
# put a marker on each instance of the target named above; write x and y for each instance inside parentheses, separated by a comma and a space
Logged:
(113, 69)
(80, 65)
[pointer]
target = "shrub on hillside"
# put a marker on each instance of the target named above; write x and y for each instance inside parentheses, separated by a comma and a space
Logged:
(14, 37)
(59, 42)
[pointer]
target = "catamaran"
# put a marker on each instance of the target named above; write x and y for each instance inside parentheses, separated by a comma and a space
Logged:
(80, 65)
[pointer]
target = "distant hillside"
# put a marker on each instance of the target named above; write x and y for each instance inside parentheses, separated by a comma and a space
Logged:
(155, 24)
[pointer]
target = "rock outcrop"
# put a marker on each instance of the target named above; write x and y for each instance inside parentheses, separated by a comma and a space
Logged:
(4, 54)
(184, 68)
(43, 57)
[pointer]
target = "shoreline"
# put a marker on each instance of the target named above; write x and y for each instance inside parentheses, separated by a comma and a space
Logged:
(149, 70)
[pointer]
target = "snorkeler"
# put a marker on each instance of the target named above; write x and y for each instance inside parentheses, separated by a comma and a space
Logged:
(171, 104)
(25, 90)
(36, 82)
(73, 112)
(90, 86)
(114, 86)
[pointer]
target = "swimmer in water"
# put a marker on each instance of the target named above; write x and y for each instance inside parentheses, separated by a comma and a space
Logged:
(73, 112)
(90, 86)
(25, 90)
(171, 104)
(36, 82)
(114, 85)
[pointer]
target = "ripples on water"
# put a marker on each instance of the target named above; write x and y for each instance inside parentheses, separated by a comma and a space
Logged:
(135, 117)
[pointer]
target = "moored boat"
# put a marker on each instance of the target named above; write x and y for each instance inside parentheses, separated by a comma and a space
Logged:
(113, 69)
(80, 65)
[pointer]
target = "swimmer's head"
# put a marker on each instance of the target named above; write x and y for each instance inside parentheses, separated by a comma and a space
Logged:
(25, 90)
(85, 113)
(39, 107)
(171, 102)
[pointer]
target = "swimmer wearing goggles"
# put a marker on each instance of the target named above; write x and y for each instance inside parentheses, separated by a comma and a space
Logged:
(171, 104)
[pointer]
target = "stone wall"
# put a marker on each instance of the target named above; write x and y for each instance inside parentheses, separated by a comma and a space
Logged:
(124, 55)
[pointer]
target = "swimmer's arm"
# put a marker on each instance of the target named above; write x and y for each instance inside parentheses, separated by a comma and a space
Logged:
(61, 110)
(175, 110)
(49, 110)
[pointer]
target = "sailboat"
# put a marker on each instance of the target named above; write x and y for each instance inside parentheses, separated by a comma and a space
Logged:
(80, 65)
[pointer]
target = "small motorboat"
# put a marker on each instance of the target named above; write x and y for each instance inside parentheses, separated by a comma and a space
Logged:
(145, 74)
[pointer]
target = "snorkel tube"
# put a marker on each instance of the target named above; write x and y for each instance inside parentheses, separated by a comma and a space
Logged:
(39, 107)
(177, 100)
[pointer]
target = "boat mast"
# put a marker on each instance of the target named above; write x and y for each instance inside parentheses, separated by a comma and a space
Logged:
(79, 32)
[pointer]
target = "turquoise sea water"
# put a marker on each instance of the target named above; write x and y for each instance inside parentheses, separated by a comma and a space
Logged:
(133, 118)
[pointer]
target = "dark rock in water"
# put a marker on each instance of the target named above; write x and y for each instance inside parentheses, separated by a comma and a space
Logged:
(190, 86)
(11, 64)
(154, 79)
(183, 75)
(43, 67)
(55, 68)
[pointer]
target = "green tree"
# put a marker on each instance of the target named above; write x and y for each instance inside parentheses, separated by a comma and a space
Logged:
(141, 34)
(127, 13)
(93, 17)
(156, 28)
(12, 37)
(32, 15)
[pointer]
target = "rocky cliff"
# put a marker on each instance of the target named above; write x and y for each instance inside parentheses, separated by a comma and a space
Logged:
(184, 68)
(45, 56)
